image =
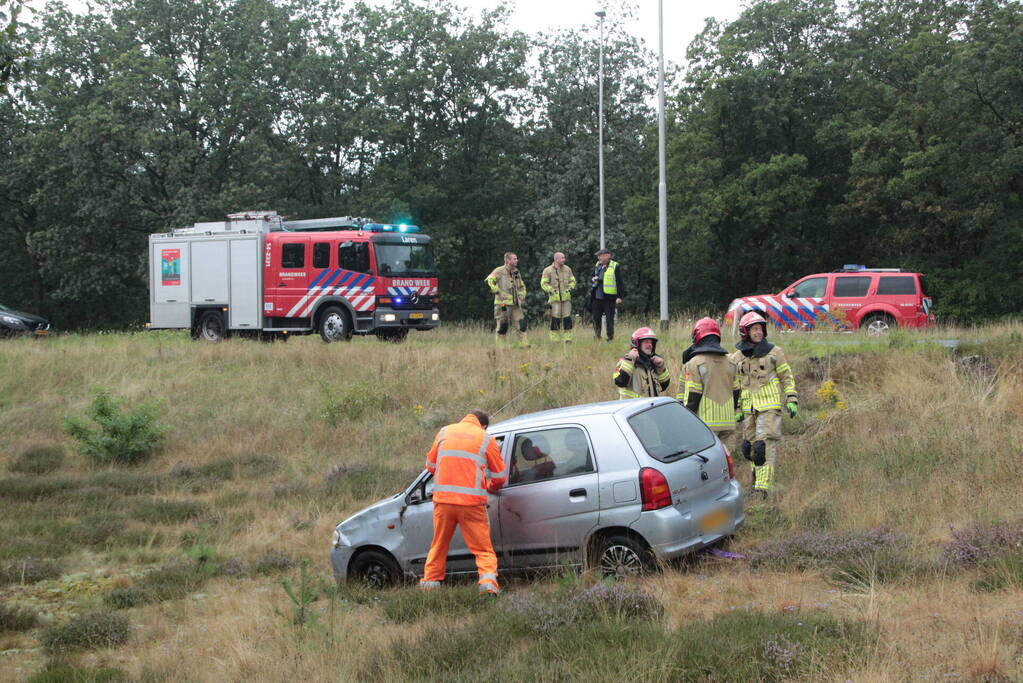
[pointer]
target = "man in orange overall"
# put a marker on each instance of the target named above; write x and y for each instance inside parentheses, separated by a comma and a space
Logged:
(466, 463)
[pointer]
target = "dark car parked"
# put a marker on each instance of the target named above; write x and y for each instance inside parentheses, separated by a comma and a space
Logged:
(14, 323)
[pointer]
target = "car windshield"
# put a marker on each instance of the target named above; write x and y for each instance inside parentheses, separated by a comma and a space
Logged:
(405, 259)
(668, 432)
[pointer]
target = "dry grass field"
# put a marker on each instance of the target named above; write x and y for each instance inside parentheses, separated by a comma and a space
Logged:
(892, 551)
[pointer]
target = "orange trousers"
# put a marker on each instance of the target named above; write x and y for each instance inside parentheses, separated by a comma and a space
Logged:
(475, 526)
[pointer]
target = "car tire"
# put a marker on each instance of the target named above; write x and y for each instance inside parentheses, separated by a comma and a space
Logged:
(878, 324)
(211, 327)
(619, 556)
(375, 568)
(334, 325)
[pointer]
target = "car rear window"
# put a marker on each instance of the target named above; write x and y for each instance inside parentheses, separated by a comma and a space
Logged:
(896, 284)
(669, 432)
(853, 285)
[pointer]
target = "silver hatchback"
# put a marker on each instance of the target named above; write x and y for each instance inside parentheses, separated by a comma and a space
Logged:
(616, 486)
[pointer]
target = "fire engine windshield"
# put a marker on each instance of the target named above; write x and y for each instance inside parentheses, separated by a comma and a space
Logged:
(405, 259)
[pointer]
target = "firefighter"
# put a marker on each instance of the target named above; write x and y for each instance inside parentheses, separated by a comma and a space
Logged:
(606, 292)
(764, 373)
(509, 299)
(466, 464)
(709, 385)
(558, 281)
(641, 372)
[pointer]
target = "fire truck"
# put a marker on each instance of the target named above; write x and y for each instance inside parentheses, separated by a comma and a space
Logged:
(259, 275)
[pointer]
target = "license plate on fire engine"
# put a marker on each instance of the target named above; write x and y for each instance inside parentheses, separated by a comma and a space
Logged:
(715, 520)
(415, 316)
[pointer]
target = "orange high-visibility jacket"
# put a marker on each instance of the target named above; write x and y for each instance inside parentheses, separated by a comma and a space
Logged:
(466, 462)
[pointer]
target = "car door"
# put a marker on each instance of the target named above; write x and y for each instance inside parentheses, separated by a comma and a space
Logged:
(848, 296)
(417, 530)
(551, 500)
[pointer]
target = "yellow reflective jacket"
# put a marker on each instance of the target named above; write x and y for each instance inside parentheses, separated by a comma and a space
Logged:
(763, 378)
(636, 380)
(714, 377)
(558, 283)
(507, 285)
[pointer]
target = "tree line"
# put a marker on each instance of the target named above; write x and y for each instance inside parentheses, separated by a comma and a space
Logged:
(801, 136)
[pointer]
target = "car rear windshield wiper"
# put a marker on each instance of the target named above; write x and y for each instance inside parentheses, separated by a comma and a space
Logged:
(685, 453)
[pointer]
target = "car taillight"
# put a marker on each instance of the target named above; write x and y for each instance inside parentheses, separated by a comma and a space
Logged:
(653, 489)
(731, 465)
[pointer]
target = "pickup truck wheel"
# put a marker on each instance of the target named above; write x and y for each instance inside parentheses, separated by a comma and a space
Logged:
(619, 556)
(211, 326)
(374, 568)
(878, 324)
(334, 325)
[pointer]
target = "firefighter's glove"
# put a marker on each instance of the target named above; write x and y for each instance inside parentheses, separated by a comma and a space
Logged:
(739, 416)
(793, 408)
(494, 487)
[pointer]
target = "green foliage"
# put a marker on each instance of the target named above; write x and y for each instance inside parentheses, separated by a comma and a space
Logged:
(120, 436)
(302, 595)
(351, 403)
(38, 460)
(65, 672)
(87, 632)
(15, 618)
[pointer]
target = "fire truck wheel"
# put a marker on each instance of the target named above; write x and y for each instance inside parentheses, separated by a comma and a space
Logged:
(393, 336)
(334, 325)
(211, 326)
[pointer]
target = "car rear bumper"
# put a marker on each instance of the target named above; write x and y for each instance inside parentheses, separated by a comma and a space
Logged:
(672, 533)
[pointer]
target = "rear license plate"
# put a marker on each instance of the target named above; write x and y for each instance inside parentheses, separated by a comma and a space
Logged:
(715, 520)
(415, 316)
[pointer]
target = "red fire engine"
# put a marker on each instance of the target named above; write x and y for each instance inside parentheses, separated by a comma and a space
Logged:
(256, 274)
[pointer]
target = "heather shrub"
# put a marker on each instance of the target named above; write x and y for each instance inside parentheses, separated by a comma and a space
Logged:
(87, 632)
(29, 570)
(38, 460)
(14, 618)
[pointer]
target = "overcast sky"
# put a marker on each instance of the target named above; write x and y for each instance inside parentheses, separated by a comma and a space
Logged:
(683, 19)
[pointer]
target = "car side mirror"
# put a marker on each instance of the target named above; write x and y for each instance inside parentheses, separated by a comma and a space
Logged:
(416, 497)
(791, 293)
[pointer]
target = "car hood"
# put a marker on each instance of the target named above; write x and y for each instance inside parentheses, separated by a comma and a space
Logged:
(369, 516)
(27, 317)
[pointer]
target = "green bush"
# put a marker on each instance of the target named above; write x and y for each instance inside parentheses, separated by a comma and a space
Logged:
(38, 460)
(14, 618)
(87, 632)
(350, 404)
(121, 436)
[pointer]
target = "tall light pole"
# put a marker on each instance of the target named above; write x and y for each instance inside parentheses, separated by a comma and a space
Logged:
(600, 125)
(662, 184)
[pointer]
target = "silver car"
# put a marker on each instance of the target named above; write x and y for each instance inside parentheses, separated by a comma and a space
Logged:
(616, 486)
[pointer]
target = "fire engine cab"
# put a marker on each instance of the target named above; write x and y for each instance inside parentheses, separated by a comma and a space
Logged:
(256, 274)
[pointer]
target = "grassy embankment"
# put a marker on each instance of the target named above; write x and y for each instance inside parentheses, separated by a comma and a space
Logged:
(876, 561)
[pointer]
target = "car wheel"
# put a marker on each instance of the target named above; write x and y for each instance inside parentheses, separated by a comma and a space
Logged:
(374, 568)
(334, 325)
(622, 556)
(211, 326)
(878, 325)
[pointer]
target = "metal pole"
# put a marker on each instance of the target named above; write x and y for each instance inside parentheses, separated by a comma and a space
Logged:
(600, 126)
(662, 185)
